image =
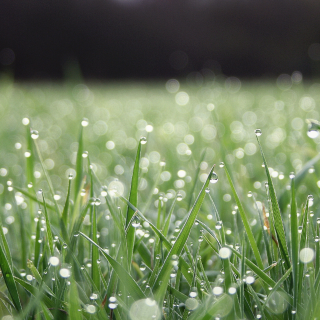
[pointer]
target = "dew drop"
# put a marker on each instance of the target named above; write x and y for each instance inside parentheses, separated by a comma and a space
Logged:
(207, 190)
(65, 273)
(85, 154)
(93, 296)
(70, 176)
(193, 292)
(112, 302)
(258, 132)
(104, 192)
(90, 308)
(143, 140)
(291, 175)
(213, 177)
(54, 261)
(249, 194)
(313, 134)
(27, 154)
(221, 165)
(179, 197)
(249, 279)
(225, 253)
(135, 222)
(34, 134)
(219, 225)
(25, 121)
(85, 122)
(217, 291)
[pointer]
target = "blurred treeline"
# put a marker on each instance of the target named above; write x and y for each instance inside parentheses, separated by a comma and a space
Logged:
(158, 38)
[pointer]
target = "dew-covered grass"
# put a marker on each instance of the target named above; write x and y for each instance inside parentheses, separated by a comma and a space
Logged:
(164, 200)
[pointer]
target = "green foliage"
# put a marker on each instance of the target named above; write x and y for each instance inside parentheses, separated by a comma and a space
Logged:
(128, 229)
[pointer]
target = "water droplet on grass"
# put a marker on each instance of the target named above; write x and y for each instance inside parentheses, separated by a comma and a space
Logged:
(25, 121)
(112, 303)
(214, 177)
(54, 261)
(313, 134)
(250, 279)
(27, 154)
(193, 292)
(232, 290)
(93, 296)
(85, 154)
(34, 134)
(85, 122)
(219, 225)
(258, 132)
(135, 222)
(65, 273)
(179, 197)
(221, 165)
(143, 140)
(306, 255)
(217, 291)
(291, 175)
(225, 253)
(90, 308)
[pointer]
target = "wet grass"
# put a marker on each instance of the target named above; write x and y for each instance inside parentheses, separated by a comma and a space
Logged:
(160, 201)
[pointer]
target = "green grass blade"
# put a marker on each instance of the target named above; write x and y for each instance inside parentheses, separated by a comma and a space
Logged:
(277, 286)
(46, 312)
(66, 206)
(284, 198)
(245, 222)
(192, 193)
(180, 242)
(47, 177)
(33, 197)
(131, 286)
(294, 244)
(35, 292)
(74, 305)
(95, 251)
(8, 278)
(79, 166)
(48, 226)
(278, 223)
(168, 219)
(133, 199)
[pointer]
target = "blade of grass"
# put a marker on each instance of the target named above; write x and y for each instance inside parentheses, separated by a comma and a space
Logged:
(33, 197)
(79, 166)
(277, 286)
(294, 245)
(179, 244)
(5, 265)
(284, 198)
(131, 286)
(74, 305)
(276, 214)
(133, 199)
(245, 222)
(48, 226)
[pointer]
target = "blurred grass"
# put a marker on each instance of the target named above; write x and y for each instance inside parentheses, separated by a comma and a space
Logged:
(119, 206)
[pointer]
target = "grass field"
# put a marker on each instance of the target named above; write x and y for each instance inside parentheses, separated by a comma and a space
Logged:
(160, 200)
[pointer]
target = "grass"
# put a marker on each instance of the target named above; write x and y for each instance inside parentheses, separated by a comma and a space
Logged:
(163, 204)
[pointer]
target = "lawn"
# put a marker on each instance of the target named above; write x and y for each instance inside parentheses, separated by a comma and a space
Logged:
(160, 200)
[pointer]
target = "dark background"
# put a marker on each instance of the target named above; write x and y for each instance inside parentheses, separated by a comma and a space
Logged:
(51, 39)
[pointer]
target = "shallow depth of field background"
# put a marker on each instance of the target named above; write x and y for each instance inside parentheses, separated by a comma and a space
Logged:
(192, 79)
